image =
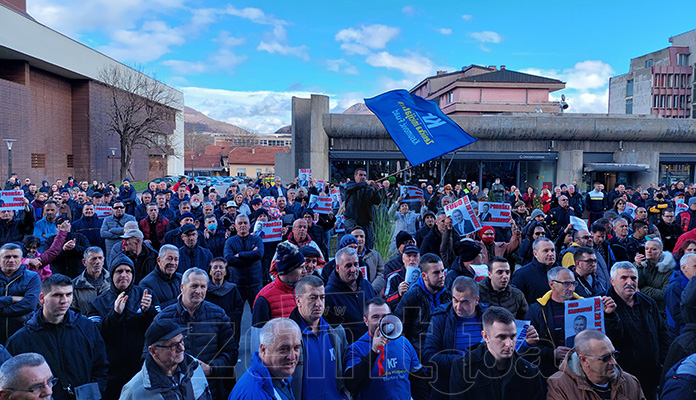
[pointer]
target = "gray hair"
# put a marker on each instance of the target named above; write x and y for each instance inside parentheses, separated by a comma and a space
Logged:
(538, 242)
(622, 265)
(10, 371)
(658, 241)
(130, 225)
(553, 273)
(582, 340)
(346, 251)
(90, 250)
(193, 271)
(270, 331)
(10, 246)
(619, 220)
(240, 216)
(164, 248)
(685, 259)
(464, 283)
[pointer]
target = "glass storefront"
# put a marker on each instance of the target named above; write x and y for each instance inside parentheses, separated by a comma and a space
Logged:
(674, 172)
(537, 174)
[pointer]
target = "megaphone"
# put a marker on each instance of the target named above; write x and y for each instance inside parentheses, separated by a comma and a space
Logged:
(391, 327)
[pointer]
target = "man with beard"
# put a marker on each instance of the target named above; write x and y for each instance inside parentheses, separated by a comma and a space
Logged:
(123, 314)
(495, 289)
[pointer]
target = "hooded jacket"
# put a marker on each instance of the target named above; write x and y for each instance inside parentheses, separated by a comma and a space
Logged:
(510, 298)
(256, 383)
(570, 383)
(24, 283)
(681, 380)
(151, 383)
(653, 278)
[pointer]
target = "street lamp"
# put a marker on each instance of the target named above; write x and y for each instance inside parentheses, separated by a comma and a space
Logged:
(113, 158)
(9, 142)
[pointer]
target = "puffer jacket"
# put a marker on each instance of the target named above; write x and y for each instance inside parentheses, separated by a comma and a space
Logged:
(653, 278)
(243, 262)
(197, 257)
(345, 306)
(570, 383)
(84, 292)
(256, 383)
(510, 298)
(275, 300)
(165, 289)
(152, 384)
(24, 283)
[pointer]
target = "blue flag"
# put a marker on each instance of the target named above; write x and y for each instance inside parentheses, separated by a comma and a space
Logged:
(418, 126)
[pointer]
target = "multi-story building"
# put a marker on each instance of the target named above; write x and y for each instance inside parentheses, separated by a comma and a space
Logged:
(658, 83)
(477, 90)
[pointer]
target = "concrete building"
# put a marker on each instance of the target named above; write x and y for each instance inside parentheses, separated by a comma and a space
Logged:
(257, 139)
(531, 149)
(53, 104)
(477, 90)
(659, 83)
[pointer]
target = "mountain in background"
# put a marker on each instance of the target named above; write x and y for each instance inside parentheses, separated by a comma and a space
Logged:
(358, 108)
(196, 121)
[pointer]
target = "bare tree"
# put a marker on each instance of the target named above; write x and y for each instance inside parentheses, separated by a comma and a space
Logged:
(197, 142)
(140, 112)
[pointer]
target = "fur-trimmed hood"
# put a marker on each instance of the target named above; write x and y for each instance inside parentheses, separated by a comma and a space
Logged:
(666, 263)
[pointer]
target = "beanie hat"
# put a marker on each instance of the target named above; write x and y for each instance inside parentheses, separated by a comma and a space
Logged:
(692, 200)
(346, 240)
(401, 237)
(467, 249)
(537, 212)
(484, 229)
(309, 251)
(288, 258)
(186, 215)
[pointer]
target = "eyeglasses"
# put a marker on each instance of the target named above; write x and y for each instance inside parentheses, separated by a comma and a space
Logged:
(173, 346)
(118, 207)
(590, 261)
(539, 233)
(39, 387)
(605, 358)
(567, 284)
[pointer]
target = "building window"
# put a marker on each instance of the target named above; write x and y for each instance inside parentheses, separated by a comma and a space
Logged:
(682, 59)
(629, 106)
(648, 63)
(450, 97)
(662, 101)
(655, 100)
(70, 161)
(629, 88)
(241, 171)
(258, 172)
(38, 160)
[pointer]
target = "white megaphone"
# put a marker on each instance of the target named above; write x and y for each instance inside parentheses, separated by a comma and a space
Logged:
(391, 327)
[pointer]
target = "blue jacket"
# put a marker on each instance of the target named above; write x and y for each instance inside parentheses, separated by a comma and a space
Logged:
(345, 307)
(216, 242)
(256, 383)
(23, 283)
(680, 381)
(197, 257)
(227, 297)
(91, 228)
(73, 349)
(275, 192)
(44, 229)
(243, 262)
(672, 297)
(531, 280)
(163, 288)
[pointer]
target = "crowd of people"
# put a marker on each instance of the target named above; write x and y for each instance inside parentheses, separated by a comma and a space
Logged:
(109, 293)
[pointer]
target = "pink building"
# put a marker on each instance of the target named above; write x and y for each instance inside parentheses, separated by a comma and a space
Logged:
(477, 90)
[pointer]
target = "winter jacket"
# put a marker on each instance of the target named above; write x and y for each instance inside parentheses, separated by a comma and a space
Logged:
(144, 263)
(196, 257)
(84, 292)
(416, 309)
(275, 300)
(69, 262)
(375, 265)
(24, 283)
(73, 349)
(151, 383)
(359, 201)
(571, 383)
(44, 229)
(165, 289)
(256, 383)
(243, 262)
(431, 243)
(111, 231)
(654, 278)
(558, 219)
(15, 229)
(160, 228)
(216, 242)
(673, 299)
(509, 298)
(474, 377)
(531, 280)
(680, 381)
(307, 242)
(91, 228)
(683, 346)
(598, 287)
(227, 297)
(669, 233)
(455, 271)
(345, 306)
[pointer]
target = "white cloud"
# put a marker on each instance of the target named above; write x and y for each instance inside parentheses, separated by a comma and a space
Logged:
(584, 75)
(414, 64)
(186, 67)
(277, 43)
(341, 65)
(346, 100)
(226, 40)
(595, 102)
(445, 31)
(486, 37)
(366, 38)
(150, 42)
(255, 15)
(467, 17)
(409, 11)
(221, 60)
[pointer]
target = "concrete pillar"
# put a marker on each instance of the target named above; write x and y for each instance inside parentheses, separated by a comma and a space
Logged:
(569, 166)
(319, 141)
(650, 158)
(310, 144)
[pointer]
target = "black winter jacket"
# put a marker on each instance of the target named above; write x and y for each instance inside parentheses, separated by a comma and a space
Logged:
(243, 262)
(510, 298)
(164, 289)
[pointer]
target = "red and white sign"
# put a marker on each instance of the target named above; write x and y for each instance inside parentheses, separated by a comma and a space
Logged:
(495, 214)
(271, 231)
(103, 211)
(411, 193)
(11, 200)
(320, 204)
(464, 220)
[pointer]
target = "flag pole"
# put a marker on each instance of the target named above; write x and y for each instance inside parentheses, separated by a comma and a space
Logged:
(395, 173)
(442, 179)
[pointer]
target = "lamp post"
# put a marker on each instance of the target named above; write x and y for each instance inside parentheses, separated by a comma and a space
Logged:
(9, 143)
(113, 158)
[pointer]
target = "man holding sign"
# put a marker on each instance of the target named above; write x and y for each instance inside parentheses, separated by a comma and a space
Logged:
(11, 229)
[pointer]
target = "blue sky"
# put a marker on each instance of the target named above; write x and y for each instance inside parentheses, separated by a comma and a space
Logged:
(242, 61)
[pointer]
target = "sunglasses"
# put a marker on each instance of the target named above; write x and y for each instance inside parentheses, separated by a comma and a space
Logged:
(605, 358)
(118, 207)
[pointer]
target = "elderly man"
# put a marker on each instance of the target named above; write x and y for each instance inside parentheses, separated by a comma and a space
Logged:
(481, 372)
(548, 314)
(590, 371)
(347, 293)
(213, 343)
(164, 282)
(323, 347)
(26, 376)
(92, 282)
(372, 258)
(173, 236)
(589, 284)
(113, 227)
(496, 290)
(71, 343)
(654, 271)
(123, 314)
(299, 238)
(243, 253)
(559, 217)
(376, 367)
(166, 361)
(641, 327)
(278, 189)
(20, 290)
(531, 279)
(269, 376)
(143, 256)
(620, 241)
(192, 254)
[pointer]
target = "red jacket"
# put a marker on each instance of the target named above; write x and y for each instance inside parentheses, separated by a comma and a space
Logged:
(280, 297)
(160, 227)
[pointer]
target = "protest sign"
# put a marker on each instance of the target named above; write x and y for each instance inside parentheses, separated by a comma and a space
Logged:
(320, 204)
(481, 271)
(631, 209)
(581, 314)
(495, 214)
(336, 198)
(681, 207)
(321, 186)
(411, 193)
(271, 231)
(103, 211)
(305, 175)
(11, 200)
(464, 220)
(340, 225)
(521, 327)
(412, 274)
